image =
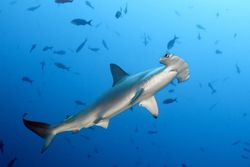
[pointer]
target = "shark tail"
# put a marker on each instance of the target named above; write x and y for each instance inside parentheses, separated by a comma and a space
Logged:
(43, 130)
(90, 22)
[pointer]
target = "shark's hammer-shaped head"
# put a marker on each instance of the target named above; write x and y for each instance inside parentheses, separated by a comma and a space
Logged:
(175, 63)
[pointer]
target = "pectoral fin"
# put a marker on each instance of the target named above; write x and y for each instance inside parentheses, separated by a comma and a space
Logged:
(136, 96)
(151, 105)
(103, 123)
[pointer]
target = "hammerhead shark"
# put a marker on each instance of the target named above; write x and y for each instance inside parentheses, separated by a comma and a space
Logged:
(127, 91)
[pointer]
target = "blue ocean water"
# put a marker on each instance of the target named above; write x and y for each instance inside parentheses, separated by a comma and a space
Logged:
(207, 126)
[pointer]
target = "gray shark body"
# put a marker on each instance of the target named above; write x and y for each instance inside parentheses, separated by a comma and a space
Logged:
(127, 91)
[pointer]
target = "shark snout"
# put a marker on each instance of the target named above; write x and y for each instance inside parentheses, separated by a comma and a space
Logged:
(176, 64)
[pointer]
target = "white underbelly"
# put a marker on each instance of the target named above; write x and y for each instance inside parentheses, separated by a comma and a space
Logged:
(159, 81)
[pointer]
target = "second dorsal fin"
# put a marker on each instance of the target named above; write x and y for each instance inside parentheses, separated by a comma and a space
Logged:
(118, 73)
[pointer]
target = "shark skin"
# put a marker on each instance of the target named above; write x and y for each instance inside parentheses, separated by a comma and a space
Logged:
(127, 91)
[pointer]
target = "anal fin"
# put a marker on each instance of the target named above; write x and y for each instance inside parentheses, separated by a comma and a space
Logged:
(151, 105)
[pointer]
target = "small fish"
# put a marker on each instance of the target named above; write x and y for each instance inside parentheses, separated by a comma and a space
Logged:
(98, 25)
(13, 2)
(89, 155)
(199, 36)
(117, 33)
(169, 101)
(172, 42)
(27, 79)
(46, 48)
(33, 8)
(1, 146)
(171, 90)
(42, 63)
(79, 48)
(81, 22)
(200, 27)
(218, 52)
(244, 114)
(236, 142)
(216, 42)
(217, 14)
(177, 13)
(63, 1)
(87, 3)
(247, 150)
(212, 107)
(93, 49)
(32, 47)
(152, 132)
(105, 45)
(244, 157)
(211, 87)
(118, 13)
(237, 68)
(235, 35)
(61, 66)
(80, 103)
(146, 39)
(11, 162)
(183, 165)
(125, 11)
(59, 52)
(202, 149)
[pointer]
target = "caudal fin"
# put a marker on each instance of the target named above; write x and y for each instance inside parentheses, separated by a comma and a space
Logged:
(41, 129)
(175, 37)
(90, 22)
(177, 64)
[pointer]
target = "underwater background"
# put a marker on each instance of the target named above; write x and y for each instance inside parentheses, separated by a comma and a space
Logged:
(48, 72)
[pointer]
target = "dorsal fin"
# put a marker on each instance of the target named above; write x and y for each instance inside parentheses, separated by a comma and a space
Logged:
(118, 73)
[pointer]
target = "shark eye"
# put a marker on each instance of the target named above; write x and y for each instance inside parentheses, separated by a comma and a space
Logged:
(167, 55)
